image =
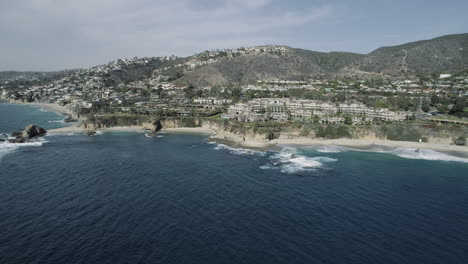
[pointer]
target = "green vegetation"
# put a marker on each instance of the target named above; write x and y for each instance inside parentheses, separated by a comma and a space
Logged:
(190, 122)
(399, 132)
(460, 141)
(333, 132)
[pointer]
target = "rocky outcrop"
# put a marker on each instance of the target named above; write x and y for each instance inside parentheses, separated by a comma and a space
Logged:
(157, 126)
(70, 119)
(30, 132)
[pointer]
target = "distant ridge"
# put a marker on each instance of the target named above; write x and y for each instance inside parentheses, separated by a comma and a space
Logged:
(246, 65)
(447, 53)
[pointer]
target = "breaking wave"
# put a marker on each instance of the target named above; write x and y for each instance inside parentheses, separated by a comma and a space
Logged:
(408, 153)
(238, 151)
(7, 147)
(424, 154)
(290, 161)
(42, 109)
(57, 121)
(149, 135)
(330, 149)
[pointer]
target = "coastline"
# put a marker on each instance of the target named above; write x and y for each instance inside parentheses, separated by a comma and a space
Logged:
(372, 144)
(258, 141)
(375, 145)
(50, 106)
(76, 128)
(358, 144)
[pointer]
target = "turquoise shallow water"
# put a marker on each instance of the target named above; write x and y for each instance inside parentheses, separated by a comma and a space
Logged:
(125, 198)
(14, 117)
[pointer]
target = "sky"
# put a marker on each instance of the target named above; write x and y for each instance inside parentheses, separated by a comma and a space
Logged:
(47, 35)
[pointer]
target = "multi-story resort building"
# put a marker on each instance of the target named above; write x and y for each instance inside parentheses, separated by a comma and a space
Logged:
(284, 109)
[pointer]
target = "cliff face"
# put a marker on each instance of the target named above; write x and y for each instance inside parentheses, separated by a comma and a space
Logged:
(140, 122)
(223, 131)
(248, 136)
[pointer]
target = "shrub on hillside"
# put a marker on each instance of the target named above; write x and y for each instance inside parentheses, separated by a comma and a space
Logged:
(460, 141)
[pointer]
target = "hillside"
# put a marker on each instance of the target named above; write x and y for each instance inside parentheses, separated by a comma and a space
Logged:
(247, 65)
(16, 75)
(292, 64)
(447, 53)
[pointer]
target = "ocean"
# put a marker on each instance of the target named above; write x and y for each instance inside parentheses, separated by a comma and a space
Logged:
(121, 197)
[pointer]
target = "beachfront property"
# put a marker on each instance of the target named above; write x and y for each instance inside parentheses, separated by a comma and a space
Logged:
(211, 101)
(285, 109)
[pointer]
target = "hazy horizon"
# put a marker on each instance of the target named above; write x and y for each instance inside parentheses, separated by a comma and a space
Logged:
(46, 35)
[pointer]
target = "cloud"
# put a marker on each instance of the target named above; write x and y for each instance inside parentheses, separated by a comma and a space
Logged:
(94, 32)
(249, 3)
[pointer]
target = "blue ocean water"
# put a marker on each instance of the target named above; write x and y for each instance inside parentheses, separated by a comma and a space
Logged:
(125, 198)
(14, 117)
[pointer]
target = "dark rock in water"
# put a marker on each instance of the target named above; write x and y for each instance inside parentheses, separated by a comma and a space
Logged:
(30, 132)
(16, 134)
(3, 137)
(33, 131)
(157, 126)
(90, 133)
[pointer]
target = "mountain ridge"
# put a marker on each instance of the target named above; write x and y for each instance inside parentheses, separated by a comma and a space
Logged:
(247, 65)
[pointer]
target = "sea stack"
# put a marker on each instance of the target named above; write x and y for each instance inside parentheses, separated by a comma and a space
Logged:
(30, 132)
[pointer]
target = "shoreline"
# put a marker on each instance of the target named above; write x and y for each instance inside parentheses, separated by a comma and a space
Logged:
(76, 128)
(357, 144)
(372, 145)
(376, 144)
(62, 110)
(258, 142)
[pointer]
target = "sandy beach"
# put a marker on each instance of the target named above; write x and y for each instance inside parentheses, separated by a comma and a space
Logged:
(259, 141)
(358, 144)
(76, 128)
(198, 130)
(371, 144)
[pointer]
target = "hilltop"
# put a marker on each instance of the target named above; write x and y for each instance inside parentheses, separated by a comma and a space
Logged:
(247, 65)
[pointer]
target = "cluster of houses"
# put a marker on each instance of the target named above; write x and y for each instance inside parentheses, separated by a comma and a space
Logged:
(458, 86)
(86, 88)
(285, 109)
(209, 57)
(229, 53)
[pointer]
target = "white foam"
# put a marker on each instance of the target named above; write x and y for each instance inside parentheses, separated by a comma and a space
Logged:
(268, 167)
(57, 121)
(150, 135)
(238, 151)
(290, 161)
(7, 147)
(329, 149)
(424, 154)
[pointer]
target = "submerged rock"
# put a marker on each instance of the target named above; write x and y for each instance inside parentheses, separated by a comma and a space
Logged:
(90, 133)
(30, 132)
